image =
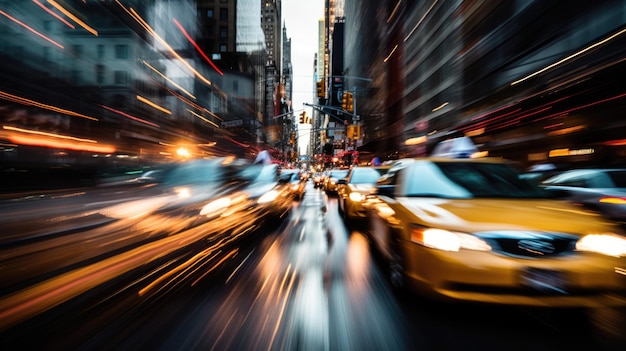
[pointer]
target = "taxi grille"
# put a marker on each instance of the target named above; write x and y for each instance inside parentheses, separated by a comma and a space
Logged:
(531, 248)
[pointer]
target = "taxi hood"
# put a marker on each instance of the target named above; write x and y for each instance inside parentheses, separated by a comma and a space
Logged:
(475, 215)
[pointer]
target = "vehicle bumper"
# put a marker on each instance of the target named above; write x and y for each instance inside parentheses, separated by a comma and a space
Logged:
(579, 280)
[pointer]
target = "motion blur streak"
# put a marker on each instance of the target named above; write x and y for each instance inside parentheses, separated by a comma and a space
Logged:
(219, 263)
(48, 294)
(129, 116)
(30, 29)
(168, 80)
(54, 14)
(572, 56)
(29, 102)
(149, 29)
(74, 18)
(153, 105)
(180, 268)
(193, 42)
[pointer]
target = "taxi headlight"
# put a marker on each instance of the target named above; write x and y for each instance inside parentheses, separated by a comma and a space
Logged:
(215, 207)
(356, 197)
(606, 244)
(268, 197)
(447, 241)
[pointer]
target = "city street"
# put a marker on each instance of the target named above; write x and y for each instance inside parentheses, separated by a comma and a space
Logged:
(309, 284)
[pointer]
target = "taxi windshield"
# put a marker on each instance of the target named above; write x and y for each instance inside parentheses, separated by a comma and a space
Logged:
(472, 180)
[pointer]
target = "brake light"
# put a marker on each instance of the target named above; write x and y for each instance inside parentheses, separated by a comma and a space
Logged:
(613, 200)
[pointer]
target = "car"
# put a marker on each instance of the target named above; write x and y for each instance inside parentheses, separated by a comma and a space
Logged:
(297, 185)
(318, 180)
(353, 189)
(602, 190)
(541, 172)
(470, 230)
(330, 182)
(268, 197)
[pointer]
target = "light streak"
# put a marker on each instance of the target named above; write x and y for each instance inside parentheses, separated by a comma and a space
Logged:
(38, 138)
(30, 29)
(440, 106)
(421, 20)
(570, 57)
(197, 47)
(37, 132)
(25, 101)
(129, 116)
(395, 9)
(202, 118)
(583, 106)
(54, 14)
(149, 29)
(153, 105)
(169, 80)
(391, 53)
(74, 18)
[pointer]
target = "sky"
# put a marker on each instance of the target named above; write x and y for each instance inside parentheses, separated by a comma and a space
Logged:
(301, 21)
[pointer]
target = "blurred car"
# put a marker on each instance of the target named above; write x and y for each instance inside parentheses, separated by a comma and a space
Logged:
(353, 189)
(318, 180)
(540, 172)
(297, 184)
(268, 196)
(471, 230)
(600, 190)
(330, 182)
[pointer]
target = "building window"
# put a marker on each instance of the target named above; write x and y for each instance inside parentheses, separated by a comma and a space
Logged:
(224, 14)
(210, 13)
(100, 74)
(223, 32)
(100, 51)
(121, 77)
(121, 51)
(223, 48)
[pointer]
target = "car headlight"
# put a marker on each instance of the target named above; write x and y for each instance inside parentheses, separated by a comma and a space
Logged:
(356, 197)
(268, 197)
(606, 244)
(183, 192)
(215, 207)
(445, 240)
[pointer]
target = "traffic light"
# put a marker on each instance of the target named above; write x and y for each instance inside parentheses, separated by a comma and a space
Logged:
(321, 89)
(344, 100)
(350, 103)
(302, 117)
(353, 131)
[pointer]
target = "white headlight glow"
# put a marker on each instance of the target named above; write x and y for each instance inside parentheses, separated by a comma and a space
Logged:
(356, 197)
(268, 196)
(606, 244)
(445, 240)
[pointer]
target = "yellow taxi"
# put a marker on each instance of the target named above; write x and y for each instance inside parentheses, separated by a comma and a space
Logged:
(472, 230)
(353, 190)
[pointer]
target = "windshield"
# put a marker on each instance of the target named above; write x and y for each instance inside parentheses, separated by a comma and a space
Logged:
(338, 174)
(469, 180)
(365, 175)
